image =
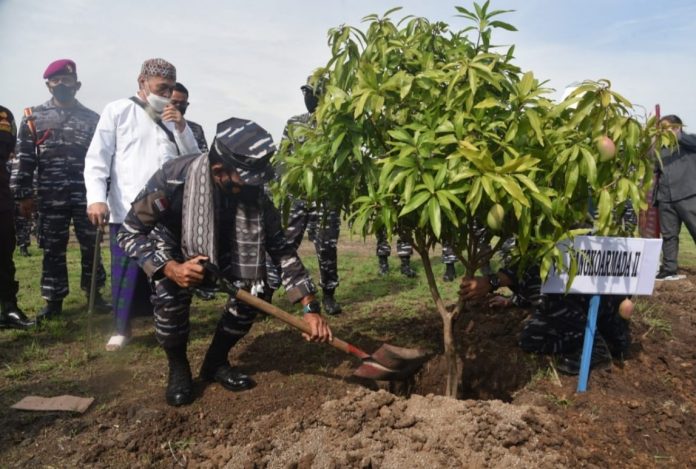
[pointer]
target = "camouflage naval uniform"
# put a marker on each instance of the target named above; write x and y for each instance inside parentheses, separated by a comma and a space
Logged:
(57, 152)
(199, 135)
(151, 233)
(323, 229)
(557, 324)
(403, 249)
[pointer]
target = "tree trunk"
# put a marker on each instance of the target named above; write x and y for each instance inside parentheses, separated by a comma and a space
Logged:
(454, 365)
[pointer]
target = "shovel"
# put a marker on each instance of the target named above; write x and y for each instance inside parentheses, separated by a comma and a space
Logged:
(388, 363)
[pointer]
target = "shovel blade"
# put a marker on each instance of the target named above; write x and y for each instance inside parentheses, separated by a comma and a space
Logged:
(397, 358)
(370, 369)
(391, 363)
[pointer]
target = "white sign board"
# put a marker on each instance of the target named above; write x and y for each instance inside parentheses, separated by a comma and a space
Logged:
(609, 266)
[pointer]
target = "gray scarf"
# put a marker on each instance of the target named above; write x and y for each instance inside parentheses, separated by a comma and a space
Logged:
(199, 230)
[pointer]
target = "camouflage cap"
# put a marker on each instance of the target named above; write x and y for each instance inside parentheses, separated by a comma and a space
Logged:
(247, 147)
(158, 68)
(315, 86)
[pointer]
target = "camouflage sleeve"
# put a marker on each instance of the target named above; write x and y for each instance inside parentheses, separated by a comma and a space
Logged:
(527, 289)
(146, 211)
(294, 276)
(27, 157)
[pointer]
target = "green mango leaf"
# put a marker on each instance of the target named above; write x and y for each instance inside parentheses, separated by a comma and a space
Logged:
(434, 215)
(536, 125)
(487, 103)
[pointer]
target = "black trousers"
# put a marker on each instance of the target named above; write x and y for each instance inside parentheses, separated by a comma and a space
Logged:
(672, 215)
(8, 284)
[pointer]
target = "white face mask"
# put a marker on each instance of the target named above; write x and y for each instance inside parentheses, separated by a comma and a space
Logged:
(158, 103)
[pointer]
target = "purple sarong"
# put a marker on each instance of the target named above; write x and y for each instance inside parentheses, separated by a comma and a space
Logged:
(130, 287)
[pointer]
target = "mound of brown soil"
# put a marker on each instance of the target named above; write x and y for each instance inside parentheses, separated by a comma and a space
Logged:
(378, 429)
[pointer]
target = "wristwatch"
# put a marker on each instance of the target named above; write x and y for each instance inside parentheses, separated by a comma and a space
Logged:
(494, 282)
(312, 307)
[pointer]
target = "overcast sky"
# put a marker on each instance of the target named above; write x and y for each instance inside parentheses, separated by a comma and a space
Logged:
(248, 59)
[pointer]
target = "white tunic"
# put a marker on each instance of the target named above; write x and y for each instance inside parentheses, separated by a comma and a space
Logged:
(128, 147)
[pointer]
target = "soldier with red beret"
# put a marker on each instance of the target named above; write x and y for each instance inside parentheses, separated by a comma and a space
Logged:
(53, 138)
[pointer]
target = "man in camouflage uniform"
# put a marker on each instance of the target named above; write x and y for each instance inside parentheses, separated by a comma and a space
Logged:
(180, 101)
(213, 207)
(557, 323)
(323, 226)
(54, 137)
(10, 314)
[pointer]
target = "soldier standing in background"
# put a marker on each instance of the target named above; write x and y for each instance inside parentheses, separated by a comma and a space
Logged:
(53, 138)
(403, 249)
(323, 227)
(10, 314)
(180, 101)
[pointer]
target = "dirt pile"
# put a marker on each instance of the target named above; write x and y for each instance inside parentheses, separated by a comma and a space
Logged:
(377, 429)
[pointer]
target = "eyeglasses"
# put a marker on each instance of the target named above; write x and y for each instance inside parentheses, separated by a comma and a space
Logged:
(180, 104)
(64, 79)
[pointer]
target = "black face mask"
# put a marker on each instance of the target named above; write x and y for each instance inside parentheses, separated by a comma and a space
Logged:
(63, 93)
(310, 101)
(182, 109)
(6, 147)
(249, 194)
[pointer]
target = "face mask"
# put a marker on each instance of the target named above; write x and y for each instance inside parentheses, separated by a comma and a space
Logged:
(158, 103)
(63, 93)
(7, 144)
(311, 101)
(249, 194)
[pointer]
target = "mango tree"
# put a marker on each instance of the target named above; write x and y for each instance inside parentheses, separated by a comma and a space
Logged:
(437, 136)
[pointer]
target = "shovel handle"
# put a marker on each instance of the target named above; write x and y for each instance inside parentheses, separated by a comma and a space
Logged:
(295, 322)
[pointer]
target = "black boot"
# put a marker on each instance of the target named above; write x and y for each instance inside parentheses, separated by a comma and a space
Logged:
(101, 306)
(406, 269)
(569, 363)
(216, 367)
(449, 272)
(267, 295)
(24, 250)
(53, 309)
(11, 317)
(204, 293)
(331, 306)
(179, 384)
(383, 265)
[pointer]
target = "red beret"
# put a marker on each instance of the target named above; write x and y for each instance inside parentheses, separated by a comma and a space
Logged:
(61, 67)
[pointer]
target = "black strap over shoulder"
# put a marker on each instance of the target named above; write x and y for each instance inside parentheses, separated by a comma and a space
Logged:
(156, 118)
